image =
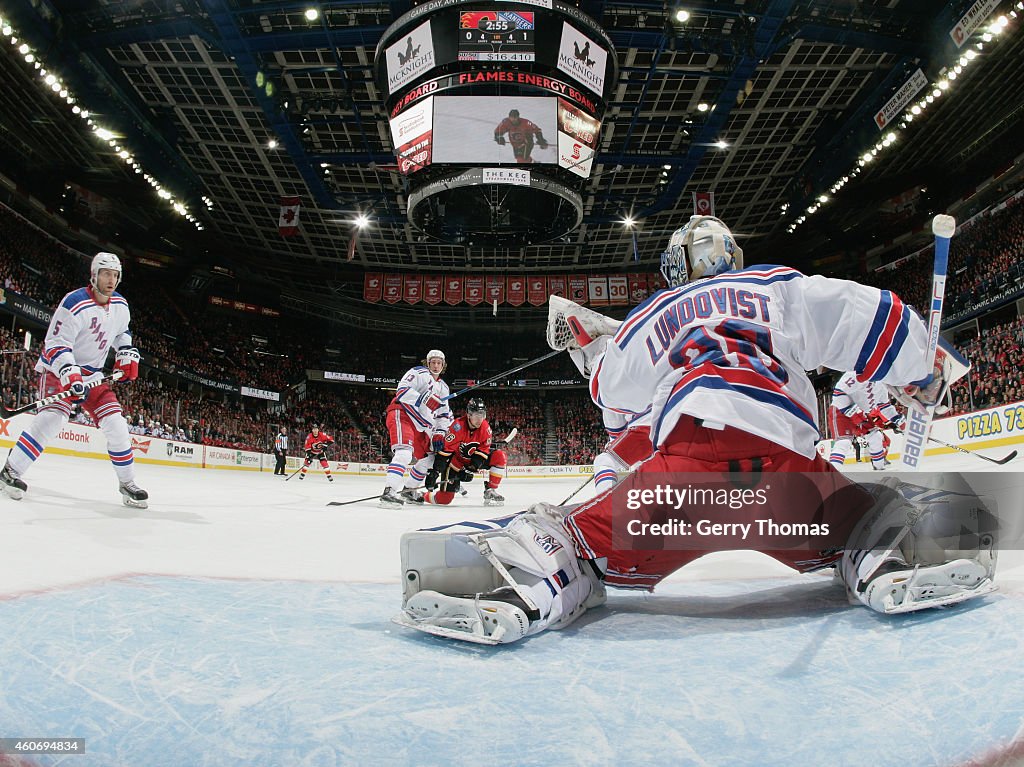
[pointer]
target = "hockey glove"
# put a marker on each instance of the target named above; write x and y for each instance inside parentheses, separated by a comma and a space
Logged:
(437, 441)
(71, 380)
(430, 482)
(433, 402)
(499, 140)
(898, 422)
(465, 475)
(126, 359)
(542, 143)
(858, 419)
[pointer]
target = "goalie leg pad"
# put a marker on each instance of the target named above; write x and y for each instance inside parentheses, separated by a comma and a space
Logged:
(531, 558)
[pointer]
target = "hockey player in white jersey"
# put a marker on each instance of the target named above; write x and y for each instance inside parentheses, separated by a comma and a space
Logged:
(718, 359)
(855, 407)
(418, 418)
(86, 325)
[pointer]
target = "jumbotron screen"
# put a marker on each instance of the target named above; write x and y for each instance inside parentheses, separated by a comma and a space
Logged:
(495, 130)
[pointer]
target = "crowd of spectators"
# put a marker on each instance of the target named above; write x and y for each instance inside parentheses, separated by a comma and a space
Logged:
(172, 329)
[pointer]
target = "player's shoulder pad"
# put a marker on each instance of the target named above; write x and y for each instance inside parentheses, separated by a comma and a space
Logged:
(75, 297)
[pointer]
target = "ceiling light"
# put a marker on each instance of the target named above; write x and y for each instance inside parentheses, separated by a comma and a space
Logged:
(702, 107)
(943, 84)
(312, 14)
(362, 221)
(721, 144)
(970, 55)
(272, 144)
(628, 222)
(916, 110)
(682, 16)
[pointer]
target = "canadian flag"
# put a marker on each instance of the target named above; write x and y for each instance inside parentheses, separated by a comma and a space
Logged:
(288, 220)
(703, 203)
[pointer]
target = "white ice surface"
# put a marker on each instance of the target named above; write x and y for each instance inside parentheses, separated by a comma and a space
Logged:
(240, 620)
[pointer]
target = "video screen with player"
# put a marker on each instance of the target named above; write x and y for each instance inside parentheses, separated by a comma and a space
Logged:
(519, 130)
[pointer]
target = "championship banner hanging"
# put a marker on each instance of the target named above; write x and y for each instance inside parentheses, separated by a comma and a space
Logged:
(703, 203)
(556, 285)
(598, 289)
(537, 290)
(618, 290)
(495, 289)
(516, 291)
(453, 290)
(637, 288)
(372, 286)
(392, 288)
(474, 290)
(578, 289)
(413, 288)
(433, 284)
(288, 218)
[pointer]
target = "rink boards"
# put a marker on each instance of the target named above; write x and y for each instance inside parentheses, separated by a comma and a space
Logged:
(990, 428)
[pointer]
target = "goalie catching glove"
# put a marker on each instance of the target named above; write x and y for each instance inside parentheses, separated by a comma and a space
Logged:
(933, 392)
(583, 332)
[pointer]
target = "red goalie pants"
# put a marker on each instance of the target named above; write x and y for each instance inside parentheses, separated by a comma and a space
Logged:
(692, 449)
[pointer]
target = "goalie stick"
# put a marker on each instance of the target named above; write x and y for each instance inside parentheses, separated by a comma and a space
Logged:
(504, 441)
(1000, 461)
(920, 423)
(117, 375)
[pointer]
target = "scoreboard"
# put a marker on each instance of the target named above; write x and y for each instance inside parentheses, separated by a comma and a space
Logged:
(496, 36)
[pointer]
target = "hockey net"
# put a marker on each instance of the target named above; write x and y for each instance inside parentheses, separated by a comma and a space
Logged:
(560, 335)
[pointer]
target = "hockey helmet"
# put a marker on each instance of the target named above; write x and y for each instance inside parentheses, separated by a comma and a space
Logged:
(436, 354)
(315, 427)
(104, 261)
(703, 247)
(476, 405)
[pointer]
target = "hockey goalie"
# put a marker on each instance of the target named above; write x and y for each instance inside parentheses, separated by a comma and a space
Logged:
(718, 361)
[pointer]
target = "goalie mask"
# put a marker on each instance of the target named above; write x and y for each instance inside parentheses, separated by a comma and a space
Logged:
(703, 247)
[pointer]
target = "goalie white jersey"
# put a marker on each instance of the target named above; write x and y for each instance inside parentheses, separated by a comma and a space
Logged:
(850, 394)
(82, 332)
(732, 350)
(413, 390)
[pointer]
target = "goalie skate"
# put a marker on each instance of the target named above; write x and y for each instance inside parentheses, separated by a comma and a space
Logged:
(905, 591)
(477, 619)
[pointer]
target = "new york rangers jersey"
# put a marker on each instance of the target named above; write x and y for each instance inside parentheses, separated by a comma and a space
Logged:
(82, 332)
(849, 395)
(416, 386)
(732, 350)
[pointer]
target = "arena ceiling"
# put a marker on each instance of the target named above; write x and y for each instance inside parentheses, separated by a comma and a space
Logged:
(790, 86)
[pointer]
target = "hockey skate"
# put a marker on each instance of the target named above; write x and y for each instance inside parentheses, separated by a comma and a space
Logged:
(493, 498)
(410, 495)
(133, 495)
(904, 591)
(389, 499)
(14, 486)
(496, 617)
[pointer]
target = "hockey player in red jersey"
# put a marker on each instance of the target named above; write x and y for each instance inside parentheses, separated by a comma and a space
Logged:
(467, 450)
(315, 447)
(521, 134)
(718, 360)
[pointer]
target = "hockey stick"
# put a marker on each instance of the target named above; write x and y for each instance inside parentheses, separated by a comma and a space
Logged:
(574, 492)
(478, 384)
(919, 423)
(1000, 461)
(117, 375)
(508, 437)
(293, 474)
